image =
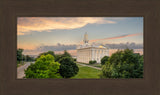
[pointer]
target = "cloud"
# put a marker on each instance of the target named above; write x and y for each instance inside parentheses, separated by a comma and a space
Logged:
(131, 45)
(59, 48)
(118, 37)
(39, 24)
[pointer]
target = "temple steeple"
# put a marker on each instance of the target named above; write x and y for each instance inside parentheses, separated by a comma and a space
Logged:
(85, 40)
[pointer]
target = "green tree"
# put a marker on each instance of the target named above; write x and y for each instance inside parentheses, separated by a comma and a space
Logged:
(104, 60)
(19, 55)
(28, 58)
(68, 68)
(60, 56)
(123, 64)
(66, 54)
(44, 67)
(46, 53)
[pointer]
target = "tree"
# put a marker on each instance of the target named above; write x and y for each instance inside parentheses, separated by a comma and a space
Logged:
(51, 53)
(44, 67)
(68, 68)
(104, 60)
(60, 56)
(46, 53)
(28, 58)
(66, 54)
(19, 54)
(123, 64)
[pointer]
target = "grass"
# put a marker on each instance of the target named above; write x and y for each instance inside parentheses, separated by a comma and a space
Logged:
(87, 73)
(95, 65)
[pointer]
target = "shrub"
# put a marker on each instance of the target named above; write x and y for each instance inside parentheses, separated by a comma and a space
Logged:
(92, 62)
(74, 59)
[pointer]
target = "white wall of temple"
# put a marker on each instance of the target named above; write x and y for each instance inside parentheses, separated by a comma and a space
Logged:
(87, 54)
(83, 55)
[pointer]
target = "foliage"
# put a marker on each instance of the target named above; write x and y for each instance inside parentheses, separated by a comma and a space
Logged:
(92, 62)
(74, 59)
(58, 56)
(20, 63)
(87, 73)
(44, 67)
(19, 55)
(28, 58)
(68, 68)
(123, 64)
(104, 59)
(46, 53)
(66, 54)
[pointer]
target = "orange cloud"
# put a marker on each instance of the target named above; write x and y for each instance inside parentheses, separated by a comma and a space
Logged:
(26, 46)
(111, 38)
(28, 24)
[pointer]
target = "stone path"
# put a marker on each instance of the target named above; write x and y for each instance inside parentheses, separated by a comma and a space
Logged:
(89, 66)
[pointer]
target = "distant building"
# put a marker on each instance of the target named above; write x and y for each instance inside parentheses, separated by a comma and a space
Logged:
(87, 52)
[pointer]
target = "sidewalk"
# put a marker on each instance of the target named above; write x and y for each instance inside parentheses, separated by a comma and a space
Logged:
(89, 66)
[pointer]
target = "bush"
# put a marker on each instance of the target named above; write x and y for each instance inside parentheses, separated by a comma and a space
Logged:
(92, 62)
(44, 67)
(104, 60)
(68, 68)
(74, 59)
(123, 64)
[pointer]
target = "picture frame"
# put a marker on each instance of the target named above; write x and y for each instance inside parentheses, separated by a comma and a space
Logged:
(10, 10)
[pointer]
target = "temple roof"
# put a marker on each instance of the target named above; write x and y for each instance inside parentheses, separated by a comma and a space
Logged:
(87, 45)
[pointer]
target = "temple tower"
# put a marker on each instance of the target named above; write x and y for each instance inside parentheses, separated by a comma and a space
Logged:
(85, 40)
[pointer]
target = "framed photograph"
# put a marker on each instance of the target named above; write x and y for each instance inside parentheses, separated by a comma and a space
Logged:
(112, 47)
(100, 47)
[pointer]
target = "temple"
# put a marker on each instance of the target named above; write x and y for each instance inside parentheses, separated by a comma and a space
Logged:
(88, 52)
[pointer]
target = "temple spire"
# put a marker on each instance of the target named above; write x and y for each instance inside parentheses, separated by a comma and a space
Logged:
(85, 40)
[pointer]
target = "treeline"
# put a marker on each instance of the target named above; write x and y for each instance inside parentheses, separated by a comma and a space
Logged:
(122, 64)
(21, 57)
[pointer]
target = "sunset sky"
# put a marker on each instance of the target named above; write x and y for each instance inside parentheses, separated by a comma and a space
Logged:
(33, 32)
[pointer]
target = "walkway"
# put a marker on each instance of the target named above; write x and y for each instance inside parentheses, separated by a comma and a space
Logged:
(89, 66)
(20, 70)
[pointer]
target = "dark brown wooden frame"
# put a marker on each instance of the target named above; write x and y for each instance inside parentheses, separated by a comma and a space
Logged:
(11, 9)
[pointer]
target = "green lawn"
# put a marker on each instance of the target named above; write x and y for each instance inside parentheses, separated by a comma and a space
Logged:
(87, 72)
(95, 65)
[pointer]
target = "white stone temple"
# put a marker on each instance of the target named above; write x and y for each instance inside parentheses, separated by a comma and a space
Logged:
(87, 52)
